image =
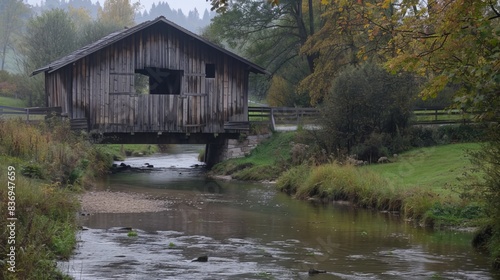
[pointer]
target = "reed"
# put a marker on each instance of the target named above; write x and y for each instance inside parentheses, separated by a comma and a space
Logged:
(50, 150)
(49, 164)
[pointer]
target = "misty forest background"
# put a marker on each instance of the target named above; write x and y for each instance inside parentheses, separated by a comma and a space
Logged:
(15, 15)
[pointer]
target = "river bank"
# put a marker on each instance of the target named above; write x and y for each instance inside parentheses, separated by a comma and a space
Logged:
(422, 185)
(261, 231)
(432, 185)
(44, 167)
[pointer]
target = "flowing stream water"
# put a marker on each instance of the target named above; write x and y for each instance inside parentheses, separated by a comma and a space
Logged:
(250, 231)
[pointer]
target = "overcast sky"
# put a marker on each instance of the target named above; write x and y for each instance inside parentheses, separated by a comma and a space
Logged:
(184, 5)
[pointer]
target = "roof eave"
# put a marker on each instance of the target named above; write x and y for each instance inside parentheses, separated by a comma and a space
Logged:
(50, 67)
(39, 70)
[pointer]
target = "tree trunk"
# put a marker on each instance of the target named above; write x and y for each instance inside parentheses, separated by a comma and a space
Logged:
(299, 18)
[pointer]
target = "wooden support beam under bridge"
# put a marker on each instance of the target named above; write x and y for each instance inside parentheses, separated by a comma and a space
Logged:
(161, 138)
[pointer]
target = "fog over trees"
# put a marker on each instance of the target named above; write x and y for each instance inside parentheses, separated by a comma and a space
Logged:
(88, 19)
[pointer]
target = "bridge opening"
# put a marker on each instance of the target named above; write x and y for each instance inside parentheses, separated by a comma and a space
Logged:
(159, 80)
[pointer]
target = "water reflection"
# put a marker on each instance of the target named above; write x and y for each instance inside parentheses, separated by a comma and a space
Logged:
(249, 231)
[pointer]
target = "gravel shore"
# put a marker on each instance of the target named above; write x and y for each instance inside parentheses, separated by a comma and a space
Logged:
(119, 202)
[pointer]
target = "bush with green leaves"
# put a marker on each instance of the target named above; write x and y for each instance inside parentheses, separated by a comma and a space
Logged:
(487, 161)
(366, 107)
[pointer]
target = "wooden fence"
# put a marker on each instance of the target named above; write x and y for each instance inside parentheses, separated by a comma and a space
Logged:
(439, 115)
(283, 116)
(29, 114)
(294, 117)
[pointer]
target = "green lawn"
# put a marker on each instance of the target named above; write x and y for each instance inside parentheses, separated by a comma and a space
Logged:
(12, 102)
(435, 167)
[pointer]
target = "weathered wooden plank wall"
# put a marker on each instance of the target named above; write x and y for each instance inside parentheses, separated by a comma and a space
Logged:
(102, 87)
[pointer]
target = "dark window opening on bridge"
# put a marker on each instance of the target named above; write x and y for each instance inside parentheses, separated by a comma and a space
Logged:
(210, 70)
(162, 80)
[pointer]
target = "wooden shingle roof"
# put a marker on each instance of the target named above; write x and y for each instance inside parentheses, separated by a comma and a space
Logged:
(117, 36)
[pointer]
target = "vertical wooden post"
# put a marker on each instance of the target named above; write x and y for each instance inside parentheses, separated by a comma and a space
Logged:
(273, 122)
(297, 116)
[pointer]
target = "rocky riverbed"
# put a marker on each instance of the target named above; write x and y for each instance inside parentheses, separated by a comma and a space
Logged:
(119, 202)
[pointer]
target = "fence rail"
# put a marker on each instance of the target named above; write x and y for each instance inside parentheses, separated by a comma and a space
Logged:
(442, 116)
(27, 112)
(284, 116)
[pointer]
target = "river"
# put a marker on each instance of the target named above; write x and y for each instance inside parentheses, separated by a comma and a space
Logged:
(250, 231)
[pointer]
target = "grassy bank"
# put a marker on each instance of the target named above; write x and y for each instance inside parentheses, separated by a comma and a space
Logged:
(423, 185)
(434, 168)
(46, 165)
(266, 162)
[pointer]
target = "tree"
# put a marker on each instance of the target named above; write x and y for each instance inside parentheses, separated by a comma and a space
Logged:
(95, 30)
(458, 43)
(220, 6)
(348, 37)
(453, 42)
(366, 105)
(119, 12)
(80, 18)
(288, 21)
(48, 37)
(281, 93)
(271, 35)
(13, 14)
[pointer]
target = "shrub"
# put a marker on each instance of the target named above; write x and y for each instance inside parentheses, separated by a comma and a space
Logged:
(33, 170)
(364, 103)
(488, 190)
(420, 136)
(459, 133)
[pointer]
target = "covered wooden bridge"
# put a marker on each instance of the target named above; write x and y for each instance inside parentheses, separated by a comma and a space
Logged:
(152, 83)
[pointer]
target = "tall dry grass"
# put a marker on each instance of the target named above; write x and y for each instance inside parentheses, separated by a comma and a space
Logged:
(363, 188)
(50, 163)
(50, 150)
